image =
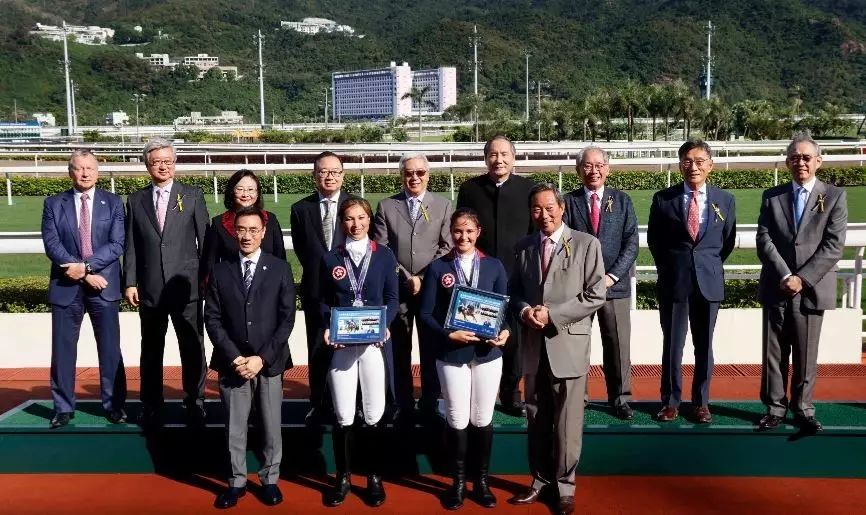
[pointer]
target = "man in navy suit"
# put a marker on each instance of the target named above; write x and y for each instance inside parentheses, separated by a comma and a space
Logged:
(82, 230)
(608, 214)
(692, 231)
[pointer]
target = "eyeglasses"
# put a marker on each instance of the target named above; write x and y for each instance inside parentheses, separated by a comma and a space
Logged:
(414, 173)
(159, 162)
(329, 173)
(796, 158)
(243, 231)
(588, 167)
(687, 163)
(248, 191)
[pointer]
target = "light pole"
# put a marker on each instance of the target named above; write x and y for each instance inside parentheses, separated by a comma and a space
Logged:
(326, 106)
(527, 54)
(137, 98)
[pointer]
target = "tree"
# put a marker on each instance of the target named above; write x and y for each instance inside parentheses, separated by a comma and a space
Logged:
(417, 96)
(601, 106)
(630, 99)
(714, 115)
(685, 104)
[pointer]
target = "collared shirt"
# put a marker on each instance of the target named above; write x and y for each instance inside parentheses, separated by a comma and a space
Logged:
(499, 184)
(254, 258)
(357, 248)
(166, 189)
(702, 205)
(589, 192)
(409, 198)
(90, 194)
(465, 261)
(556, 236)
(333, 200)
(809, 186)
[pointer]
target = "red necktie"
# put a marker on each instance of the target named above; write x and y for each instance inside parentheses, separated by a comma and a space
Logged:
(594, 215)
(694, 221)
(84, 228)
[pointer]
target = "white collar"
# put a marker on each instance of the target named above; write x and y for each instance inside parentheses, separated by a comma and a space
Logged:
(166, 187)
(808, 186)
(467, 257)
(357, 248)
(599, 192)
(89, 192)
(556, 236)
(254, 257)
(688, 189)
(420, 196)
(333, 198)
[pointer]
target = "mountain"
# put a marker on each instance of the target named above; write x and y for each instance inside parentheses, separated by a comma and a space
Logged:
(762, 49)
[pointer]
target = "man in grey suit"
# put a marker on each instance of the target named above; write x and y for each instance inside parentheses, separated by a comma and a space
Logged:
(557, 285)
(801, 234)
(165, 227)
(415, 225)
(608, 214)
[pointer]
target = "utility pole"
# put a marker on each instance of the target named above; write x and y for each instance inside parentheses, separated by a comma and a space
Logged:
(527, 54)
(69, 127)
(15, 109)
(261, 83)
(137, 98)
(74, 111)
(326, 107)
(709, 58)
(475, 65)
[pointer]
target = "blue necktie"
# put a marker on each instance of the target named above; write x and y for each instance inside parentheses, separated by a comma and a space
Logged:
(413, 210)
(248, 274)
(799, 206)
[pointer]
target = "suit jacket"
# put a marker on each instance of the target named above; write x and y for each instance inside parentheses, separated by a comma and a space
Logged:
(617, 232)
(811, 252)
(61, 239)
(436, 298)
(308, 242)
(503, 212)
(414, 243)
(165, 265)
(258, 322)
(573, 290)
(220, 244)
(678, 259)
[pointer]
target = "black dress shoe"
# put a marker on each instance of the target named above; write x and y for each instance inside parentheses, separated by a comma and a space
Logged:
(313, 417)
(271, 495)
(624, 412)
(60, 420)
(336, 495)
(515, 409)
(195, 416)
(149, 419)
(229, 497)
(375, 495)
(117, 416)
(808, 424)
(769, 422)
(528, 496)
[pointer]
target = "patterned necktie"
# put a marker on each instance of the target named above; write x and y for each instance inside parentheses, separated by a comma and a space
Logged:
(413, 209)
(546, 255)
(594, 215)
(161, 205)
(799, 206)
(84, 228)
(694, 221)
(248, 274)
(327, 224)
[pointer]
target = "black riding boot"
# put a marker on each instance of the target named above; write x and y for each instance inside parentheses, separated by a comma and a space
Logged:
(374, 454)
(483, 444)
(456, 440)
(342, 440)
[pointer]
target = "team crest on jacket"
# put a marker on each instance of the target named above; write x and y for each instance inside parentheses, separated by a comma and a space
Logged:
(338, 273)
(448, 280)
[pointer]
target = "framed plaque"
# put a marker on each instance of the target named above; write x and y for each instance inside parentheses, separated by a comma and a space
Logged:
(358, 325)
(476, 310)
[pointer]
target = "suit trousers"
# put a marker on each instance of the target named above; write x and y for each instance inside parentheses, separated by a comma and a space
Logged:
(790, 330)
(512, 371)
(614, 323)
(65, 330)
(470, 391)
(187, 322)
(364, 364)
(318, 353)
(401, 339)
(554, 409)
(676, 317)
(238, 395)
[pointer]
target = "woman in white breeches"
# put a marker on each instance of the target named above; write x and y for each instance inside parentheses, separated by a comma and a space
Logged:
(349, 366)
(469, 390)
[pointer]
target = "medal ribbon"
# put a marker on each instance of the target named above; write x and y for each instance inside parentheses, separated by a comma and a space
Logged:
(461, 277)
(358, 283)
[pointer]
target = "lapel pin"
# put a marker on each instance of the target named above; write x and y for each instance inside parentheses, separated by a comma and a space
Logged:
(102, 202)
(820, 204)
(264, 268)
(609, 204)
(718, 212)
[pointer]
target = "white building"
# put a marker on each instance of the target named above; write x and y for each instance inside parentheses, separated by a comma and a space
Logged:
(117, 118)
(158, 60)
(224, 118)
(45, 119)
(87, 35)
(313, 26)
(379, 93)
(203, 62)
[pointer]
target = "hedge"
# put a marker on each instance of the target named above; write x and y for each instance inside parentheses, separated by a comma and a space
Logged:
(301, 183)
(30, 295)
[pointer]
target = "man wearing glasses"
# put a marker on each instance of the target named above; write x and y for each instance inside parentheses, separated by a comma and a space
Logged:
(608, 214)
(415, 225)
(315, 231)
(692, 231)
(165, 230)
(801, 234)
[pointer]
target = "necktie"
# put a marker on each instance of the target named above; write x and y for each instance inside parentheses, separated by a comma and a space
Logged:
(248, 274)
(546, 254)
(594, 215)
(694, 221)
(413, 209)
(327, 224)
(161, 205)
(799, 206)
(84, 228)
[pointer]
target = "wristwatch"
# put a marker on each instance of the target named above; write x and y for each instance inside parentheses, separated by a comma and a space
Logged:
(88, 270)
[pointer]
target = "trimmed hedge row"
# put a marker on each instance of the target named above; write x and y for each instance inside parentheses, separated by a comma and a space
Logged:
(301, 183)
(30, 295)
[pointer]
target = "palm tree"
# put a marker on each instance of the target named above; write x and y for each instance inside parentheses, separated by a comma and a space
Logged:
(417, 96)
(630, 99)
(685, 105)
(714, 115)
(601, 105)
(654, 100)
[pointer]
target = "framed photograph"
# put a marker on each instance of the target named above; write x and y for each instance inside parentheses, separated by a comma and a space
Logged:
(476, 310)
(358, 325)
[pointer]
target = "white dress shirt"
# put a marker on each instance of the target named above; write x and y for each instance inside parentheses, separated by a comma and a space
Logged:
(589, 192)
(254, 258)
(465, 261)
(166, 189)
(333, 200)
(78, 194)
(702, 206)
(357, 248)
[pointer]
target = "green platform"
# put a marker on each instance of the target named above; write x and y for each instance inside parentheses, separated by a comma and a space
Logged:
(728, 447)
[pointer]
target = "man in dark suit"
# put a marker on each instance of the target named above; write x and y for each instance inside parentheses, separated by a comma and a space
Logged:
(82, 230)
(801, 235)
(415, 225)
(165, 230)
(315, 231)
(692, 231)
(608, 214)
(499, 198)
(249, 314)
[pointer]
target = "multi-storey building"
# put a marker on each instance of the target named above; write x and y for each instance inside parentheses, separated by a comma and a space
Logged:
(313, 26)
(90, 35)
(203, 62)
(224, 118)
(159, 60)
(442, 89)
